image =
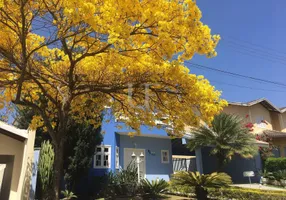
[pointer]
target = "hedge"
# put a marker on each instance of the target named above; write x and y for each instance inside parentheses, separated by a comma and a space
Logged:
(236, 193)
(275, 164)
(247, 194)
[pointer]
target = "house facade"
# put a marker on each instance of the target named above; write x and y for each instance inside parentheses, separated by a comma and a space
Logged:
(118, 149)
(266, 119)
(16, 156)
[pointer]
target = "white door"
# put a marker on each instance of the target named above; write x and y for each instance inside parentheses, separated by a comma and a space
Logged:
(128, 159)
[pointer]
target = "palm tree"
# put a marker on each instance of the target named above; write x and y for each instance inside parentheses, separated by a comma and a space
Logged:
(201, 182)
(228, 136)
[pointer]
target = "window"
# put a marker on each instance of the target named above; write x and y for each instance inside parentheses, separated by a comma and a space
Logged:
(165, 156)
(276, 152)
(184, 141)
(260, 122)
(102, 157)
(117, 157)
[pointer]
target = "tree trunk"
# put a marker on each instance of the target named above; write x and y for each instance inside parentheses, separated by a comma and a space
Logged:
(221, 158)
(220, 164)
(58, 170)
(201, 193)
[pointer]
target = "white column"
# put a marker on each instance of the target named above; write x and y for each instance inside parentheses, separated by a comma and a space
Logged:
(138, 168)
(199, 161)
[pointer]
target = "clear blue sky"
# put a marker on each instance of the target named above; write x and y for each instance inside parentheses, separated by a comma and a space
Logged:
(245, 27)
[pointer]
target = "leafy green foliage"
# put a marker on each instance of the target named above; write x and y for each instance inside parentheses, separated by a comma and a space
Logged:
(266, 174)
(124, 182)
(68, 195)
(228, 136)
(45, 167)
(81, 142)
(275, 164)
(155, 187)
(246, 194)
(193, 179)
(280, 174)
(201, 182)
(23, 120)
(238, 193)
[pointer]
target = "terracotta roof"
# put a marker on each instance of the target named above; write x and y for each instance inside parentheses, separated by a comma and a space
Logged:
(263, 101)
(275, 134)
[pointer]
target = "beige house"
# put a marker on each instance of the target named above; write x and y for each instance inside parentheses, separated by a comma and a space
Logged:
(16, 156)
(265, 117)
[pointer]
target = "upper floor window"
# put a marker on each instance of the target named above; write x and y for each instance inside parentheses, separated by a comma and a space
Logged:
(165, 158)
(102, 156)
(260, 122)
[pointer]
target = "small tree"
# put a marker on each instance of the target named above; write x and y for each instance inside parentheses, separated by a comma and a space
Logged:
(228, 137)
(81, 142)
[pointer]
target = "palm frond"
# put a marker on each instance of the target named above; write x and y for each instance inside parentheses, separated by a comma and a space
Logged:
(193, 179)
(227, 135)
(155, 187)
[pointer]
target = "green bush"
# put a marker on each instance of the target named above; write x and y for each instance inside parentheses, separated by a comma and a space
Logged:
(154, 188)
(280, 175)
(45, 170)
(200, 182)
(122, 183)
(246, 194)
(68, 195)
(275, 164)
(236, 193)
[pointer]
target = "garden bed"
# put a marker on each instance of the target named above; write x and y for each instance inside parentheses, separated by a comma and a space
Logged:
(240, 193)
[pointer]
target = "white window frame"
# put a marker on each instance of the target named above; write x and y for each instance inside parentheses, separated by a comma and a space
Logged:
(117, 152)
(102, 153)
(168, 156)
(259, 122)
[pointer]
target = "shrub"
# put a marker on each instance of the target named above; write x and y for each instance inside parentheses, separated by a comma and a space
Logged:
(68, 195)
(280, 175)
(122, 183)
(154, 188)
(246, 194)
(201, 182)
(266, 174)
(45, 169)
(275, 164)
(241, 194)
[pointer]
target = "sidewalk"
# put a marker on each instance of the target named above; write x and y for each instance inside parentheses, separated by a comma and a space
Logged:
(258, 186)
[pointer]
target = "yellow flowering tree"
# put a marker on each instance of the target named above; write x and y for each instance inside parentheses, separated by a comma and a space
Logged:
(70, 59)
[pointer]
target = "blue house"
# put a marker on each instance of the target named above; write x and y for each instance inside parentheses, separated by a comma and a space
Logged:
(153, 148)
